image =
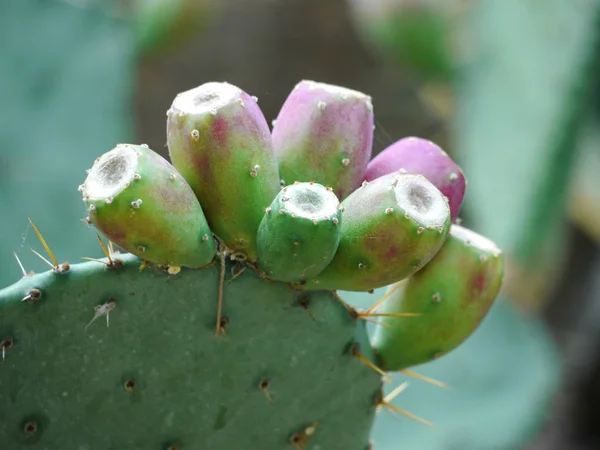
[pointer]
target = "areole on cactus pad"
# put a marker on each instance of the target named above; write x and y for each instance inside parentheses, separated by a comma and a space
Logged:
(216, 323)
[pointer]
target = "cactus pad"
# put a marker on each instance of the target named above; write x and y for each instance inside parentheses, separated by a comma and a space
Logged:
(158, 376)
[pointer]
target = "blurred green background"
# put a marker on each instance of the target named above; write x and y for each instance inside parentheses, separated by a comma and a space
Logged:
(507, 87)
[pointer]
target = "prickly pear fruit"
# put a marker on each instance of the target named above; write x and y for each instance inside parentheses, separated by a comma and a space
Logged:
(416, 155)
(141, 203)
(300, 232)
(453, 294)
(324, 133)
(220, 142)
(391, 228)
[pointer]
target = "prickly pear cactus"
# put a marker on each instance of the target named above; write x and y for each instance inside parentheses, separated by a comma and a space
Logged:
(213, 321)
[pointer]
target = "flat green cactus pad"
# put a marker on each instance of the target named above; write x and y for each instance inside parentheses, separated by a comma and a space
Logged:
(280, 375)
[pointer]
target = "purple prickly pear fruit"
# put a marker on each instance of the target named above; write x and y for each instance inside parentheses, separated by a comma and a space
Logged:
(452, 294)
(141, 203)
(324, 133)
(391, 228)
(417, 155)
(220, 141)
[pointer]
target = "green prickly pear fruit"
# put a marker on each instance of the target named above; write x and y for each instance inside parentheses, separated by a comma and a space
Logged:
(324, 133)
(300, 232)
(452, 294)
(220, 142)
(141, 203)
(391, 228)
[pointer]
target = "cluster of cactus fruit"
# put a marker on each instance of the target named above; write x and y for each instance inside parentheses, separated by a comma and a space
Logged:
(226, 330)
